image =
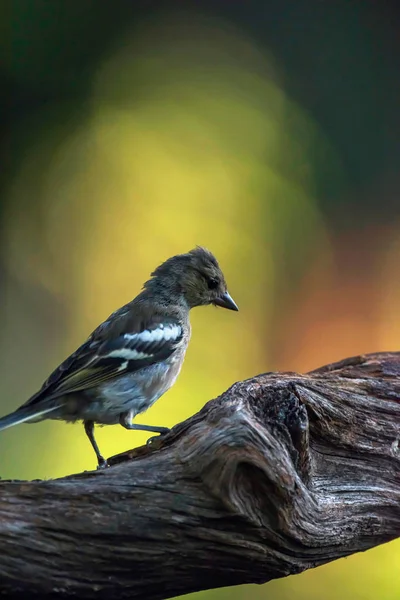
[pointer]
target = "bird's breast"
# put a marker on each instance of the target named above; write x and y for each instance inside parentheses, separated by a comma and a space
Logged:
(160, 378)
(137, 391)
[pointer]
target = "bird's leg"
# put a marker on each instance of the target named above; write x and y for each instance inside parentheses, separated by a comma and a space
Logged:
(89, 429)
(126, 421)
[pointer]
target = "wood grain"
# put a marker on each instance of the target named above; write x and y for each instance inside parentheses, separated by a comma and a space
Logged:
(281, 473)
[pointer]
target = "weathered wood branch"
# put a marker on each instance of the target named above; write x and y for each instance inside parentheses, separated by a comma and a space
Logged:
(281, 473)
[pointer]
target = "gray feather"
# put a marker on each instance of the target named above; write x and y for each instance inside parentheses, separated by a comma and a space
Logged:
(26, 414)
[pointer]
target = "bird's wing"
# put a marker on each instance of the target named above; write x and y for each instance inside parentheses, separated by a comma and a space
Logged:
(104, 357)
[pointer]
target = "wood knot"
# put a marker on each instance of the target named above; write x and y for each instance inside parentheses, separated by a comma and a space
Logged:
(252, 450)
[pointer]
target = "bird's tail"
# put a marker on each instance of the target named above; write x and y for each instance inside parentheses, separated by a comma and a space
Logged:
(27, 413)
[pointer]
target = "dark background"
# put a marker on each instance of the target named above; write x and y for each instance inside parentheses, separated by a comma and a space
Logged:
(268, 131)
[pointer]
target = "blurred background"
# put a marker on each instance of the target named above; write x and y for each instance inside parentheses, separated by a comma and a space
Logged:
(266, 131)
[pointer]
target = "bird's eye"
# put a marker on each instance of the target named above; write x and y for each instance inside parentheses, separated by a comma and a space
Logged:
(213, 283)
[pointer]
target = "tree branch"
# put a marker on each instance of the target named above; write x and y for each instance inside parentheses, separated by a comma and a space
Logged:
(281, 473)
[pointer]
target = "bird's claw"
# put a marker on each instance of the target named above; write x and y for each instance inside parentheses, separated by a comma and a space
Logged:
(151, 439)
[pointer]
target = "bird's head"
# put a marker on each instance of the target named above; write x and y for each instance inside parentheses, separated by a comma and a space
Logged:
(196, 277)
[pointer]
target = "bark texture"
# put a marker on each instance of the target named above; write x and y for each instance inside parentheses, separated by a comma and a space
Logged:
(281, 473)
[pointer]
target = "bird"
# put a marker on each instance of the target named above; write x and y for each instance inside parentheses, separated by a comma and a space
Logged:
(131, 359)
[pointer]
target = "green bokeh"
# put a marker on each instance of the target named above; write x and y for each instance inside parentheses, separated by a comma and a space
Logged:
(128, 138)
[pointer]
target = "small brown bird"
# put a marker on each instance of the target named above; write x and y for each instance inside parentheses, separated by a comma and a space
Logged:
(135, 356)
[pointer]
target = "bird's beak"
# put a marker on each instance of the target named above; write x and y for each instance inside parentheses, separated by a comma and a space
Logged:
(226, 301)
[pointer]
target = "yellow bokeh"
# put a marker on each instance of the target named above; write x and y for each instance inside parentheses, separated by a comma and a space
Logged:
(189, 139)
